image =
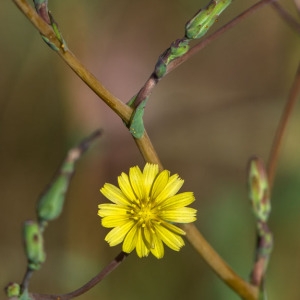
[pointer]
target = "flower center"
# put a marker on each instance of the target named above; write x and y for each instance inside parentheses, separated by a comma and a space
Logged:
(144, 212)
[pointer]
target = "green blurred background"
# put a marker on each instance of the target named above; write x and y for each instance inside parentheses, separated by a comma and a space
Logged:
(205, 119)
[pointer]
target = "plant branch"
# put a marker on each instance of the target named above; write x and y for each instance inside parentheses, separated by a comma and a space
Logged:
(290, 104)
(91, 81)
(152, 81)
(205, 42)
(286, 16)
(86, 287)
(212, 258)
(144, 144)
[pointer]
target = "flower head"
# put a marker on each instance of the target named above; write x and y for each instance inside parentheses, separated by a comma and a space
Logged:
(144, 209)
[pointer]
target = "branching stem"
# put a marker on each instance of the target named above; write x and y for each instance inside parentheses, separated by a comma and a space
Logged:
(120, 108)
(244, 289)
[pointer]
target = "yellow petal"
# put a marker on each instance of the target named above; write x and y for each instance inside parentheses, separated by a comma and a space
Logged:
(149, 173)
(172, 228)
(173, 186)
(179, 215)
(172, 240)
(114, 194)
(160, 183)
(114, 221)
(158, 249)
(130, 239)
(108, 209)
(141, 248)
(126, 187)
(179, 200)
(136, 181)
(116, 235)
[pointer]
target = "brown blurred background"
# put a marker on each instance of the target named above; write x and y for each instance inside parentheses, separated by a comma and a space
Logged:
(205, 119)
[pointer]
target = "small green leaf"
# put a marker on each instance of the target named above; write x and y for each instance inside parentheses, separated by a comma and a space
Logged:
(137, 124)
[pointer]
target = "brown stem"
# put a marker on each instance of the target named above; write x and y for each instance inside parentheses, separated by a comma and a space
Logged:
(147, 150)
(286, 16)
(291, 101)
(212, 258)
(297, 3)
(174, 64)
(99, 277)
(150, 84)
(91, 81)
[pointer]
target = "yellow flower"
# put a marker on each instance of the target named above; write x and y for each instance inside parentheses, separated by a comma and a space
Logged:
(143, 210)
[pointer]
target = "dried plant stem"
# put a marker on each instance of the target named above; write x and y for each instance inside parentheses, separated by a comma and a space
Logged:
(91, 81)
(95, 280)
(291, 101)
(217, 34)
(152, 81)
(242, 288)
(286, 16)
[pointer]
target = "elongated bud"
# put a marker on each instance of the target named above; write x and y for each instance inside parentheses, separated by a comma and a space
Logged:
(205, 18)
(259, 189)
(34, 245)
(52, 201)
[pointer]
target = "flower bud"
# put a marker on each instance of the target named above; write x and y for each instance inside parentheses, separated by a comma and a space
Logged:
(34, 245)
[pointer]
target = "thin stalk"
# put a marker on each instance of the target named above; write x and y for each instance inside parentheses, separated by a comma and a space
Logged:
(212, 258)
(152, 81)
(281, 129)
(90, 284)
(286, 16)
(205, 42)
(120, 108)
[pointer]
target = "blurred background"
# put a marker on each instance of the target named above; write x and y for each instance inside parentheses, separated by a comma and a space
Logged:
(205, 120)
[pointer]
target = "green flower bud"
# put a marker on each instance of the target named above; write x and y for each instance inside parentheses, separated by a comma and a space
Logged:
(177, 49)
(34, 245)
(259, 189)
(51, 203)
(205, 18)
(13, 289)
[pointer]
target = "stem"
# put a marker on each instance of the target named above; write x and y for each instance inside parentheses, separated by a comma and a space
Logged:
(120, 108)
(286, 16)
(86, 287)
(150, 84)
(174, 64)
(147, 150)
(291, 101)
(26, 279)
(212, 258)
(244, 289)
